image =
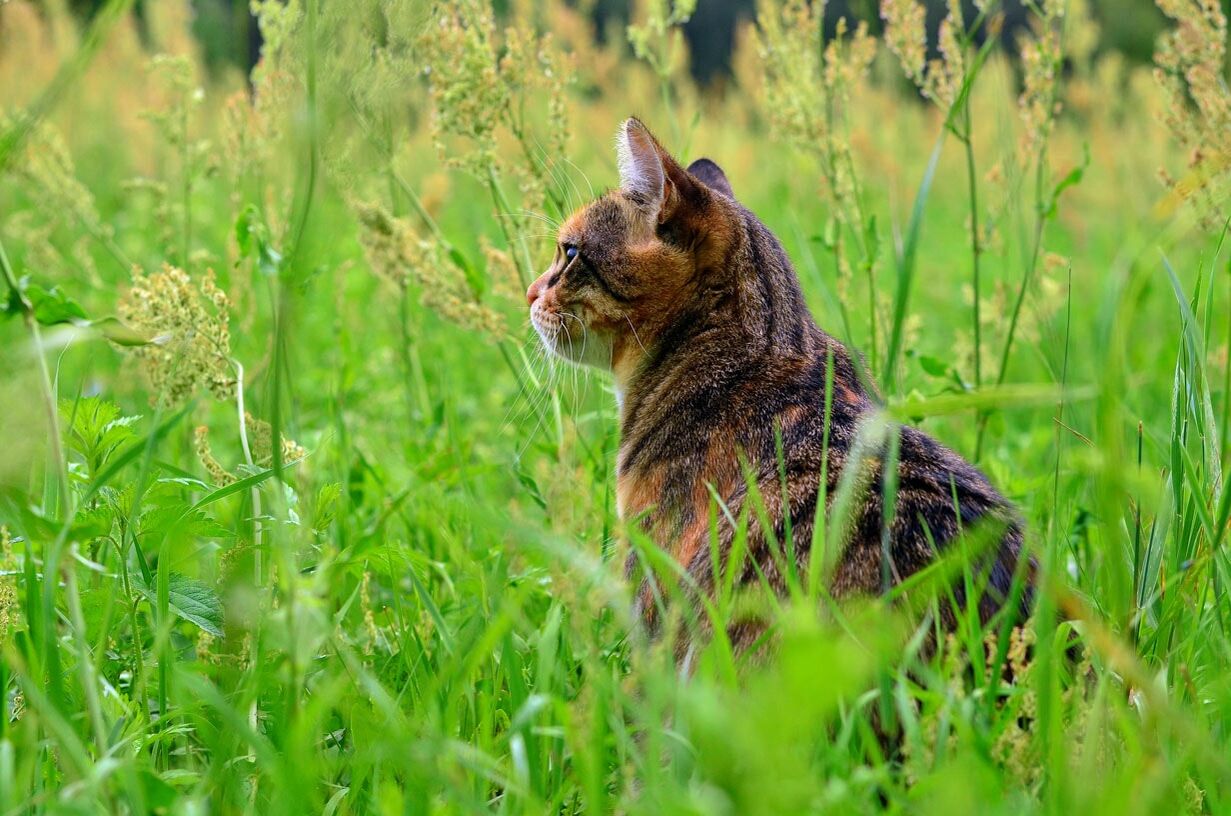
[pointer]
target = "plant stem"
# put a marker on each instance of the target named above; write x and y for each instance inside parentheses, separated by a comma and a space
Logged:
(1013, 318)
(85, 661)
(976, 246)
(521, 256)
(255, 493)
(48, 392)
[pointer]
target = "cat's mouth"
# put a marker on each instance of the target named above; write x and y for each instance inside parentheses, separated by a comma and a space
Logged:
(567, 335)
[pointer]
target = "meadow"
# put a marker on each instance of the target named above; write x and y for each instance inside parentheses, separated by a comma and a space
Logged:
(296, 516)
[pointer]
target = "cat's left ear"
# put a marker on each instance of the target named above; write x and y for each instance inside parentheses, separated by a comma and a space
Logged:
(711, 175)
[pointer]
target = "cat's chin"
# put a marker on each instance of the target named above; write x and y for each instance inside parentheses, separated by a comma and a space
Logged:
(583, 348)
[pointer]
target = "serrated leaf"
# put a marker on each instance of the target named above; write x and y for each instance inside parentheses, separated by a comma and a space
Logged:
(84, 526)
(325, 508)
(96, 428)
(183, 522)
(190, 599)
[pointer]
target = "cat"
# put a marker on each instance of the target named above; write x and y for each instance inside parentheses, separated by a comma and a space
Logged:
(720, 377)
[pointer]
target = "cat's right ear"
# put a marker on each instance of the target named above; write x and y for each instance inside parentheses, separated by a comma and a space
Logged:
(643, 178)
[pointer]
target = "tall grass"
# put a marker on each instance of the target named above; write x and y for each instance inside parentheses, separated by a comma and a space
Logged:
(324, 531)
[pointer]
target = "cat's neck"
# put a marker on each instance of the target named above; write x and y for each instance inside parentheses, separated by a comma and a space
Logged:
(757, 316)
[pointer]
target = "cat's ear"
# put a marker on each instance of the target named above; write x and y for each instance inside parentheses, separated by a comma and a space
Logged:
(651, 178)
(643, 176)
(711, 175)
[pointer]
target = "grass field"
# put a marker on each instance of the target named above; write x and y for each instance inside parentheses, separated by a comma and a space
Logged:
(298, 517)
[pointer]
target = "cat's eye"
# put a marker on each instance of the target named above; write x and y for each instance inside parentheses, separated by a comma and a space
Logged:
(570, 251)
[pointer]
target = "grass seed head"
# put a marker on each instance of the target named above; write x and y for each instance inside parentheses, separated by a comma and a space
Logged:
(1042, 59)
(189, 329)
(397, 254)
(217, 473)
(1190, 66)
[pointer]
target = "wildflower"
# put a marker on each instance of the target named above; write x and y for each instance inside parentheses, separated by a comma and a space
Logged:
(939, 79)
(49, 175)
(906, 35)
(396, 254)
(1189, 65)
(661, 17)
(807, 97)
(501, 270)
(203, 651)
(1041, 58)
(217, 473)
(468, 92)
(369, 617)
(9, 606)
(261, 445)
(176, 73)
(479, 85)
(191, 346)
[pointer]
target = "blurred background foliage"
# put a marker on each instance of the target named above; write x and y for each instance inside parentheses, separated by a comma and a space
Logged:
(229, 35)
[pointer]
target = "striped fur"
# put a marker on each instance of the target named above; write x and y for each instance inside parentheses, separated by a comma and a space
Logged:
(692, 303)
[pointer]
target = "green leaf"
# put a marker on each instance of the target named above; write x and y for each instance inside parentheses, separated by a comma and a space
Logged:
(192, 600)
(1072, 179)
(96, 429)
(325, 508)
(906, 268)
(52, 306)
(246, 227)
(236, 487)
(184, 523)
(83, 526)
(476, 281)
(1003, 396)
(269, 260)
(252, 236)
(112, 329)
(159, 796)
(532, 486)
(12, 304)
(134, 450)
(934, 366)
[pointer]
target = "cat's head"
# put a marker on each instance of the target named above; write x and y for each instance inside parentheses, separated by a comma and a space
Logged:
(628, 264)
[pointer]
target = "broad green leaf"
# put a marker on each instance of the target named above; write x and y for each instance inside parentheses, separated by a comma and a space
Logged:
(191, 599)
(183, 522)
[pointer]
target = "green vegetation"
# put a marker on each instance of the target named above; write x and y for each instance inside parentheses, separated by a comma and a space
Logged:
(296, 516)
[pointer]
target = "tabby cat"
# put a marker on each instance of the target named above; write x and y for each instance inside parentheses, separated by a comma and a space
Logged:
(721, 375)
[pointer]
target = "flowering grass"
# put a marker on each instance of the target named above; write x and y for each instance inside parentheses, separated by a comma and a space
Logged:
(295, 516)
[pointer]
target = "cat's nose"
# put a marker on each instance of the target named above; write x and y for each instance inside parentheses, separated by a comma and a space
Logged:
(536, 289)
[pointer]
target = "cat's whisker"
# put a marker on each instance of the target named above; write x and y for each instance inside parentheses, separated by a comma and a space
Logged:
(551, 164)
(635, 335)
(584, 178)
(551, 222)
(524, 392)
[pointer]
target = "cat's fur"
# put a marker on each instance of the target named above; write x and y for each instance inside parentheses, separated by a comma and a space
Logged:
(691, 302)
